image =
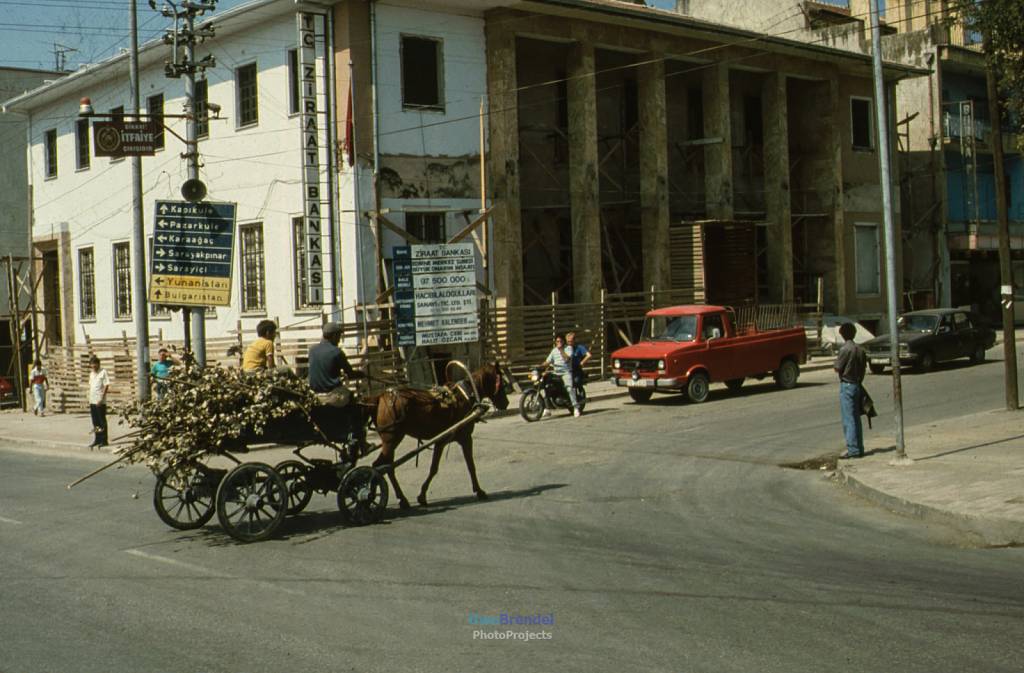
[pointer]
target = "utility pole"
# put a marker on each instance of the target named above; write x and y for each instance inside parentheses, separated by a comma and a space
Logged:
(882, 115)
(193, 189)
(138, 229)
(995, 115)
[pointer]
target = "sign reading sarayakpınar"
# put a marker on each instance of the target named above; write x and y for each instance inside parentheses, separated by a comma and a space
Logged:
(435, 294)
(192, 253)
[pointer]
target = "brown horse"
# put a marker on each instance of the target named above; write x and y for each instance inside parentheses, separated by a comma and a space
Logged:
(425, 414)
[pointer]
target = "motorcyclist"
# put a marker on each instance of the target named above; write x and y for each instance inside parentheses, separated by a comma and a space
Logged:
(560, 361)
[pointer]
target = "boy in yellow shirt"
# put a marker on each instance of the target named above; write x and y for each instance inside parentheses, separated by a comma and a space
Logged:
(260, 353)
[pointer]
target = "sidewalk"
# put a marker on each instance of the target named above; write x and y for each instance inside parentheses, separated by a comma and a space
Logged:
(968, 473)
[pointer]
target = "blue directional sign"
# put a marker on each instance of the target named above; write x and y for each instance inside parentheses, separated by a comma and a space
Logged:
(192, 253)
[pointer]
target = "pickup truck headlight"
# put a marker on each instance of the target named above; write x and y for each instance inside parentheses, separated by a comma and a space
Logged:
(904, 350)
(661, 365)
(617, 364)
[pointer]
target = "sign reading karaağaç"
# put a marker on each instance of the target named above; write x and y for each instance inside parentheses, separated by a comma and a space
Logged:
(119, 138)
(435, 294)
(192, 253)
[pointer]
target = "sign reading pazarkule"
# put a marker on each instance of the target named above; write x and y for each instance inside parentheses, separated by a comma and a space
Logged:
(119, 138)
(435, 294)
(192, 244)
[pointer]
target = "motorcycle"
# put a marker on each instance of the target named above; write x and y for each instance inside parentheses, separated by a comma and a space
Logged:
(548, 392)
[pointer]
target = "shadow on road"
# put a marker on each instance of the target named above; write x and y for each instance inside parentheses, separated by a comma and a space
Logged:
(718, 393)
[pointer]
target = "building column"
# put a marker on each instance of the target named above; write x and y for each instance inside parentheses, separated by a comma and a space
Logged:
(503, 163)
(836, 124)
(777, 200)
(584, 174)
(654, 209)
(718, 155)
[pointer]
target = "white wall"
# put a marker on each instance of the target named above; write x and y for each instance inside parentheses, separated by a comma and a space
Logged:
(258, 167)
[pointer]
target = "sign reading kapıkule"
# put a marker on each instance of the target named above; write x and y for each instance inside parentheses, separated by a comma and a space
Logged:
(192, 253)
(435, 294)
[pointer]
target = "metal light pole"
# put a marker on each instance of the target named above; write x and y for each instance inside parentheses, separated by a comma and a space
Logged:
(890, 243)
(191, 133)
(138, 230)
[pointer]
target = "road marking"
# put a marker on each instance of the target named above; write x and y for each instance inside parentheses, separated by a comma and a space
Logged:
(4, 519)
(209, 571)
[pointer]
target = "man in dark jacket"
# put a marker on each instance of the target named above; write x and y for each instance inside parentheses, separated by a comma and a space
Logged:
(326, 364)
(851, 363)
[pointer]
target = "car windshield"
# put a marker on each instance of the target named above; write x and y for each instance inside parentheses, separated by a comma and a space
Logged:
(670, 328)
(918, 323)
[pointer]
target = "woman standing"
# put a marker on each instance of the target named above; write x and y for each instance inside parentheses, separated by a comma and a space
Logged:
(39, 387)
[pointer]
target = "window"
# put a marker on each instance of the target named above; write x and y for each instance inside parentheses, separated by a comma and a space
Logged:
(86, 284)
(961, 322)
(301, 278)
(293, 81)
(867, 260)
(201, 97)
(82, 143)
(157, 310)
(252, 268)
(117, 115)
(694, 113)
(428, 227)
(712, 326)
(50, 142)
(122, 281)
(422, 73)
(861, 125)
(155, 110)
(245, 81)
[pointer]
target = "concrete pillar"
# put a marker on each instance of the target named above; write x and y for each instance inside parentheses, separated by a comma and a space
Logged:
(654, 210)
(838, 116)
(584, 174)
(777, 200)
(503, 162)
(718, 156)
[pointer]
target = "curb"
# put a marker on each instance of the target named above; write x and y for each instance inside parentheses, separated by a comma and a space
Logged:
(991, 532)
(47, 444)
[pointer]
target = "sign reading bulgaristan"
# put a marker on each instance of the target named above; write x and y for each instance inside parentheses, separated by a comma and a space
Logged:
(435, 294)
(192, 253)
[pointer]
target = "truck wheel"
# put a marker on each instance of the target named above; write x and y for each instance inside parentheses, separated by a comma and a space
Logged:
(978, 355)
(787, 375)
(926, 362)
(697, 387)
(734, 385)
(640, 396)
(876, 369)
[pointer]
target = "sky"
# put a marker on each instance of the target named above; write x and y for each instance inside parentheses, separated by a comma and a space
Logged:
(32, 30)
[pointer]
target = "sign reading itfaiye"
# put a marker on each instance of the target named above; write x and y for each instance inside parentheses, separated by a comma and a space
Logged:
(192, 253)
(435, 294)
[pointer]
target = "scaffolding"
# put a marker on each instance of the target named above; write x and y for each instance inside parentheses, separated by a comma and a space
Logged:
(20, 337)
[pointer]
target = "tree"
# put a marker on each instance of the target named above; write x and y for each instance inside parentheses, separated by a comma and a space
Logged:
(1001, 22)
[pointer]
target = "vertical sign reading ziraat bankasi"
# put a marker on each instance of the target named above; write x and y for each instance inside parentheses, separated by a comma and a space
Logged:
(310, 158)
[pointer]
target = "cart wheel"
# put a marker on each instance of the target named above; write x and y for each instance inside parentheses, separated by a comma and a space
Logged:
(251, 502)
(296, 478)
(363, 496)
(184, 495)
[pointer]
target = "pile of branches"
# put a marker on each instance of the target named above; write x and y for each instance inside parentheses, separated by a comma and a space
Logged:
(209, 410)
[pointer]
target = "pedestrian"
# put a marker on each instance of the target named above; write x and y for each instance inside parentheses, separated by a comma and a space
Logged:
(159, 371)
(851, 363)
(560, 361)
(40, 385)
(580, 357)
(260, 353)
(99, 386)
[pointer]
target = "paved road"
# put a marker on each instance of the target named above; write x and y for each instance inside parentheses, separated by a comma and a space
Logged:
(661, 537)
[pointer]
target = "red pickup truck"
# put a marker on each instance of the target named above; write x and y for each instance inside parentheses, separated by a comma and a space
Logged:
(686, 348)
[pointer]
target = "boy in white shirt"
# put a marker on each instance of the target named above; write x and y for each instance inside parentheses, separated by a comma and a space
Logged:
(99, 385)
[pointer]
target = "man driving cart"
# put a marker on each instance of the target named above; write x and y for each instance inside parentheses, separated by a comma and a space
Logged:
(327, 362)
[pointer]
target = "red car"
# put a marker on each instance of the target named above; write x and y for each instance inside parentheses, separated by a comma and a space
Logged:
(686, 348)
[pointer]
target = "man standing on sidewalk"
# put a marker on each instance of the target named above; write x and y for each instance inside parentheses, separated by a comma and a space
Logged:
(850, 365)
(99, 386)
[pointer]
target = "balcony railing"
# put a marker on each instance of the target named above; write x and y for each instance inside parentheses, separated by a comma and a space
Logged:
(970, 118)
(964, 37)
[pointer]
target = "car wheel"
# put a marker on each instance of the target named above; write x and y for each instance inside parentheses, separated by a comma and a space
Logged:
(978, 355)
(876, 369)
(640, 396)
(698, 387)
(926, 362)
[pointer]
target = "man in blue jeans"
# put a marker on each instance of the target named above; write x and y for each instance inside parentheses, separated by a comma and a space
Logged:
(850, 365)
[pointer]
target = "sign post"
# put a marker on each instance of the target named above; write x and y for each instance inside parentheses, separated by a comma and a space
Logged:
(435, 294)
(192, 254)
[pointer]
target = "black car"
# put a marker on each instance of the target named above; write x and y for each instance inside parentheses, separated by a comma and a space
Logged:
(936, 335)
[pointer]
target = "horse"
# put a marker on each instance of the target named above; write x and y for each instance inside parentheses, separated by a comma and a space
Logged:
(425, 414)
